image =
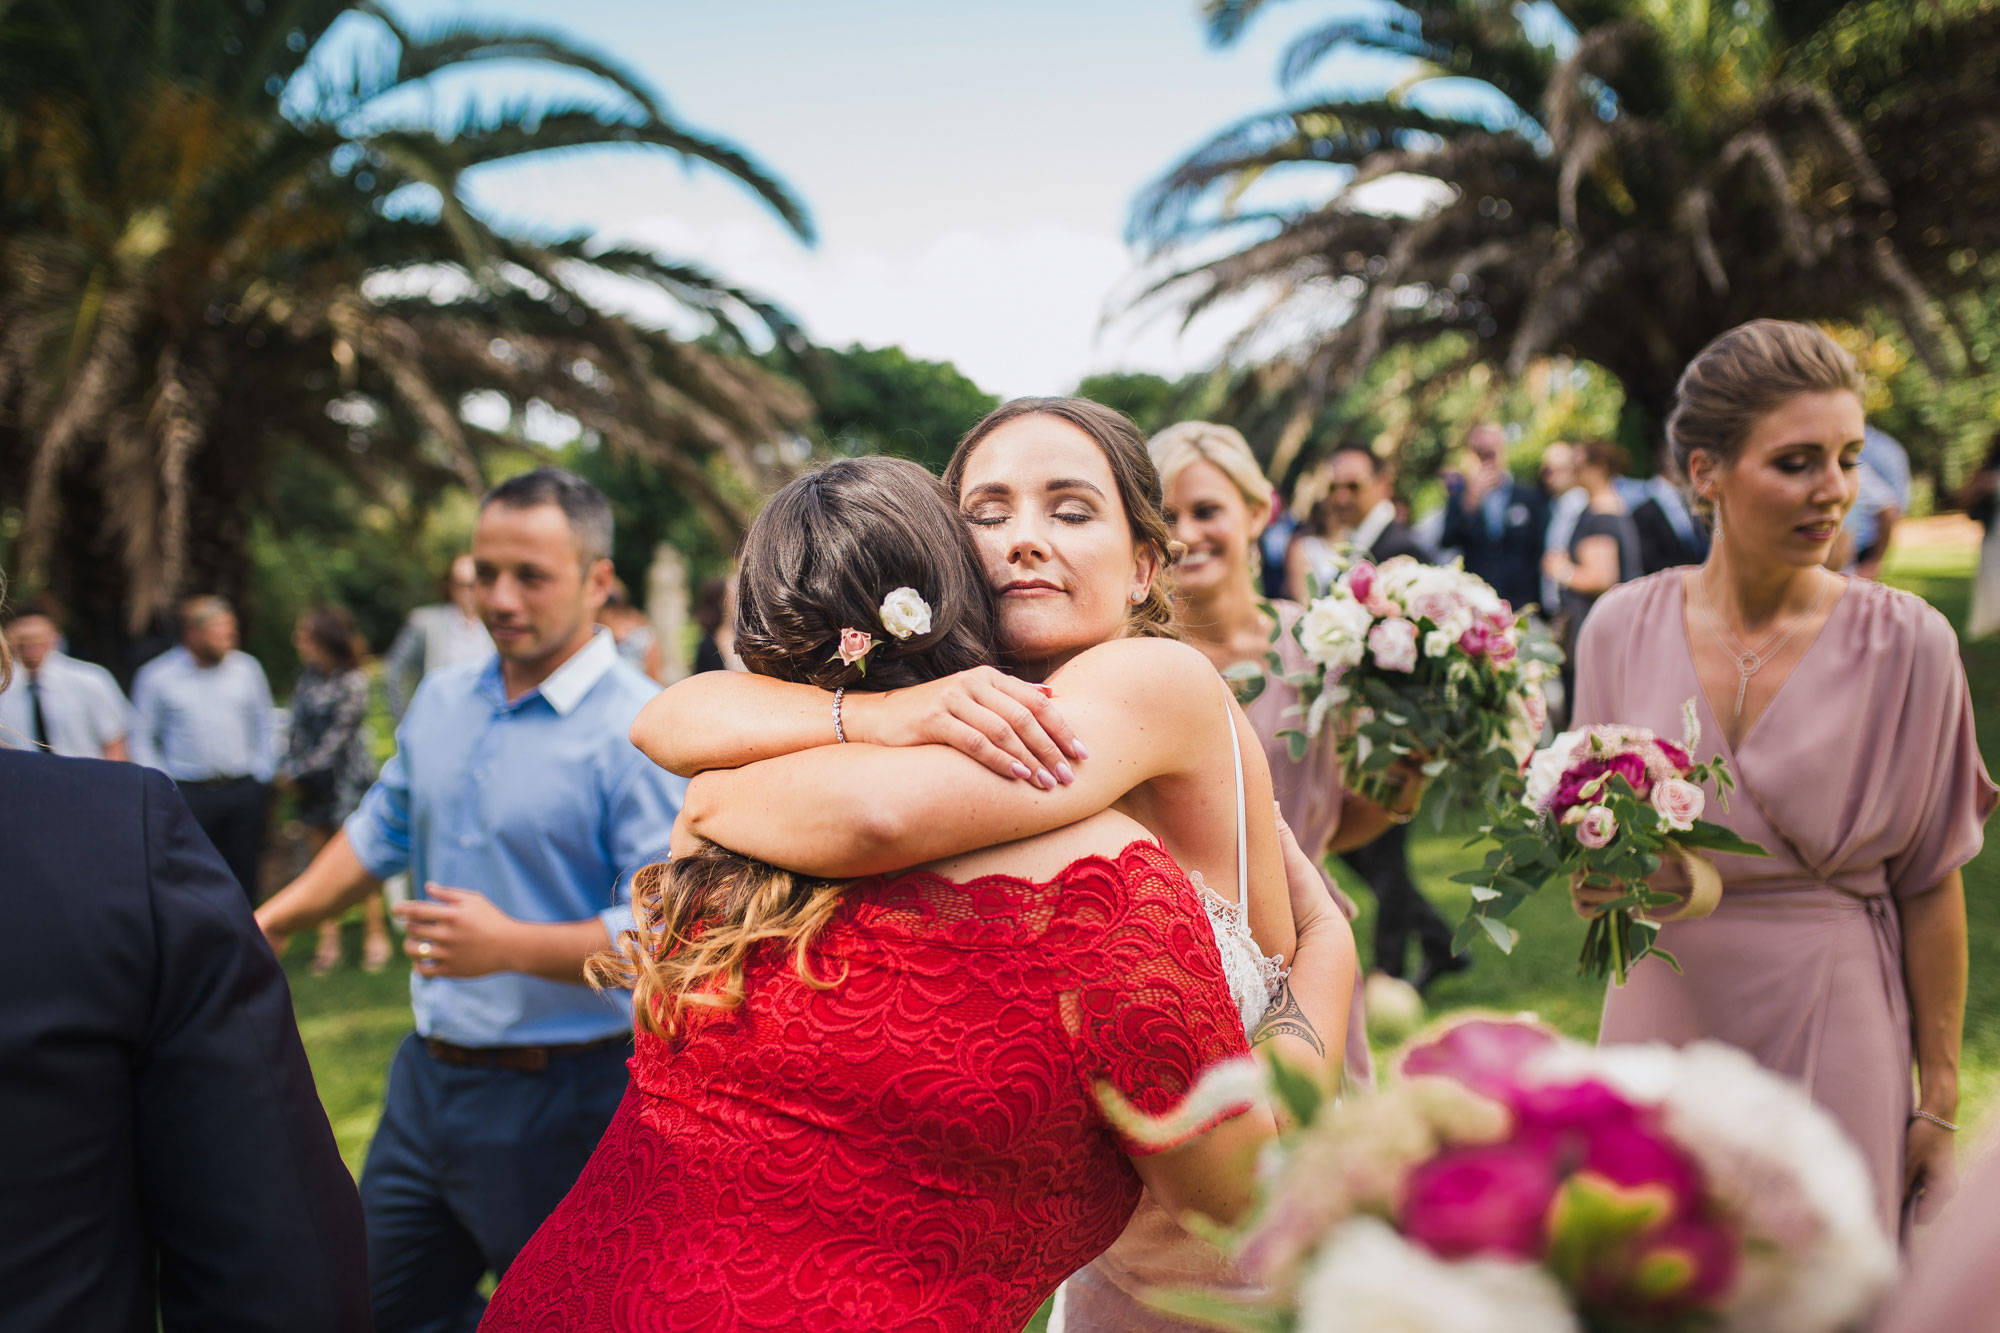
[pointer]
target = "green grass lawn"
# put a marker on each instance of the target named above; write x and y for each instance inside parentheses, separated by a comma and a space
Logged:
(351, 1021)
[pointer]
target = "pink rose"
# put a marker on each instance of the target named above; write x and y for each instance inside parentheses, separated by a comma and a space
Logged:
(1437, 605)
(1360, 581)
(854, 646)
(1597, 827)
(1485, 1054)
(1679, 802)
(1537, 706)
(1394, 644)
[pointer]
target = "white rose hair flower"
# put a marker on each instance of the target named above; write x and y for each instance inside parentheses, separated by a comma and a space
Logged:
(905, 614)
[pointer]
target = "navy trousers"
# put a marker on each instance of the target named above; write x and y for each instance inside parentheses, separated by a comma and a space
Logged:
(465, 1165)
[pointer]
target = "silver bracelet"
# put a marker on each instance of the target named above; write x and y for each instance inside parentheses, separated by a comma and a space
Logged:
(839, 732)
(1935, 1119)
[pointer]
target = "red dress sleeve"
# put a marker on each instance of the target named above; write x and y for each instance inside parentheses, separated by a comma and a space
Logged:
(1152, 1010)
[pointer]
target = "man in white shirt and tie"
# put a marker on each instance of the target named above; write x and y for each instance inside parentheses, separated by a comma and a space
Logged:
(56, 703)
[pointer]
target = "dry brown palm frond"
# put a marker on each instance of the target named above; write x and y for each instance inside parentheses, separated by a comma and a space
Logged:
(93, 394)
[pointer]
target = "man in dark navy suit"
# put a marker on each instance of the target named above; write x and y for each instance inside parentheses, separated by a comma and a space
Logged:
(1363, 513)
(1495, 522)
(164, 1160)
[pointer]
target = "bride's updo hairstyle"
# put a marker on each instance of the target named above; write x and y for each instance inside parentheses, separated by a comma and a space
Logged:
(1138, 483)
(1745, 373)
(819, 559)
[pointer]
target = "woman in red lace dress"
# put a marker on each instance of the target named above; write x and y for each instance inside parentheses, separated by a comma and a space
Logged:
(873, 1105)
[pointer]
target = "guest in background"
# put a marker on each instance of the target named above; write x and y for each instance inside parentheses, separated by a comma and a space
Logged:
(56, 703)
(1312, 559)
(1567, 501)
(1362, 513)
(201, 714)
(517, 800)
(1495, 522)
(1669, 533)
(1980, 498)
(168, 1166)
(327, 765)
(1882, 500)
(1603, 549)
(637, 641)
(435, 637)
(1273, 545)
(715, 612)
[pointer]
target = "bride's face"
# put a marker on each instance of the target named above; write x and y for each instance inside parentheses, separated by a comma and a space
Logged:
(1055, 539)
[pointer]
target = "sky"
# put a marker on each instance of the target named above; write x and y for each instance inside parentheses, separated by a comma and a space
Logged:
(970, 167)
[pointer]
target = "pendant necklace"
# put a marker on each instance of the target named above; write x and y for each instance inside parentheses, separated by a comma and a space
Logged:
(1749, 662)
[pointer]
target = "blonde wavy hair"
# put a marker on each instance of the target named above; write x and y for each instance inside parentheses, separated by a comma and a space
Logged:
(820, 558)
(1185, 443)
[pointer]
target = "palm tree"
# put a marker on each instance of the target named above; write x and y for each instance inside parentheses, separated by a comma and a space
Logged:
(221, 239)
(1615, 180)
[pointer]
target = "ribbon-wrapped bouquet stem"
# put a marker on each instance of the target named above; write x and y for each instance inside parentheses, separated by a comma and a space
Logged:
(1606, 808)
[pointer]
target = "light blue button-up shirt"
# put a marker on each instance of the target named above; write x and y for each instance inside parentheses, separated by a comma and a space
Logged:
(542, 805)
(195, 722)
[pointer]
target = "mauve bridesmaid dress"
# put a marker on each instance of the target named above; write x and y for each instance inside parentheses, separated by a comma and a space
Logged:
(1863, 780)
(1951, 1283)
(1154, 1251)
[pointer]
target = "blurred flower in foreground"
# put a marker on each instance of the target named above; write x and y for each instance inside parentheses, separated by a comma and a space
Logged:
(1507, 1178)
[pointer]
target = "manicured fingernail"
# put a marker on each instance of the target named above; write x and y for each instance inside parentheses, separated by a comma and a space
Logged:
(1021, 770)
(1064, 772)
(1076, 748)
(1043, 776)
(1048, 691)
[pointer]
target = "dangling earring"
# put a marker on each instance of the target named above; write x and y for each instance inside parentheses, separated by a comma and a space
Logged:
(1718, 525)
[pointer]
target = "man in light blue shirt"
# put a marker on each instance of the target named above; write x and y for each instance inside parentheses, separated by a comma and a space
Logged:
(1882, 497)
(56, 703)
(202, 714)
(517, 800)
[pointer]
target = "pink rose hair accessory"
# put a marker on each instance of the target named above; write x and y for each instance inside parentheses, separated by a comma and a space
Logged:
(854, 646)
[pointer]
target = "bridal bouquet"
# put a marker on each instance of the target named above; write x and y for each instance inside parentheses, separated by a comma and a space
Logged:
(1606, 806)
(1505, 1178)
(1421, 663)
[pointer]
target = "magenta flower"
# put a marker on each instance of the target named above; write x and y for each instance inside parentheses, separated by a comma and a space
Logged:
(1491, 1200)
(1360, 581)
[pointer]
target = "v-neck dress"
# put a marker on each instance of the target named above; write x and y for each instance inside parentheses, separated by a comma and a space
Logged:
(1863, 780)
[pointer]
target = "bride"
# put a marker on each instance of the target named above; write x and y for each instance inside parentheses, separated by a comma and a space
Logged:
(875, 1104)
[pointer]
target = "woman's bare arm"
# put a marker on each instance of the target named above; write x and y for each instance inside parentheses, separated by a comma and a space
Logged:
(726, 719)
(1934, 969)
(843, 811)
(1596, 567)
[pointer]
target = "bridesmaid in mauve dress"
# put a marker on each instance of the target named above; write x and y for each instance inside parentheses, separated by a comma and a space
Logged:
(1844, 714)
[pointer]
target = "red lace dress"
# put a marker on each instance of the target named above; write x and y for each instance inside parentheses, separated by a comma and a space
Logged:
(914, 1147)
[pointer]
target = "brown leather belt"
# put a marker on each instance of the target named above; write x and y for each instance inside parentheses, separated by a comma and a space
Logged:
(522, 1059)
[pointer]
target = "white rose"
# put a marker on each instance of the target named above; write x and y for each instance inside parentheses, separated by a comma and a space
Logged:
(1546, 769)
(1439, 642)
(905, 613)
(1679, 803)
(1394, 643)
(1334, 630)
(1366, 1277)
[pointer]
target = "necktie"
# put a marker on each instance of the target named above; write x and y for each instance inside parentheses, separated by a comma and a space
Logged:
(38, 730)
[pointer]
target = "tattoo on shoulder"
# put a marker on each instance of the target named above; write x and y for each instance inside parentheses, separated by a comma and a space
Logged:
(1286, 1019)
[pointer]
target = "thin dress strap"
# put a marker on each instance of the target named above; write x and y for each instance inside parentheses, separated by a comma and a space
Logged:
(1242, 817)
